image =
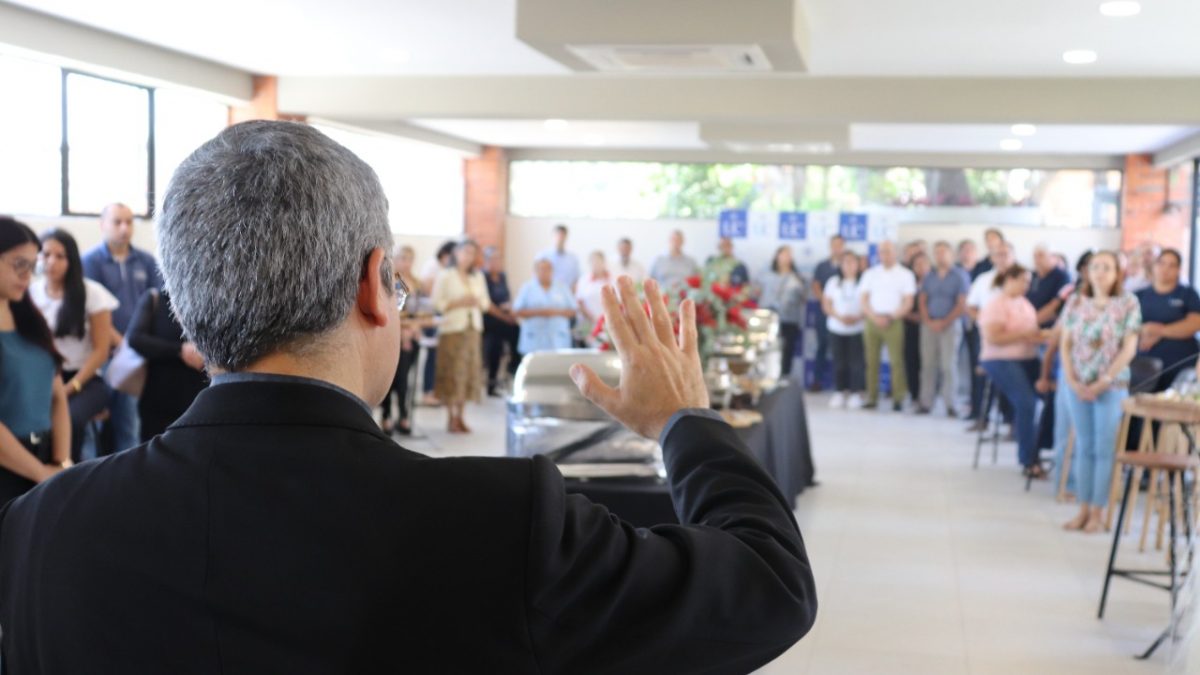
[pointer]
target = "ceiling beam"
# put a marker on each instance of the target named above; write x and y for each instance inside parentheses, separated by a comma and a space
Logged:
(876, 159)
(408, 131)
(1183, 150)
(778, 99)
(25, 32)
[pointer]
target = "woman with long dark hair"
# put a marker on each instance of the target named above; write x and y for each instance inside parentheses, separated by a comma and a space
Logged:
(174, 367)
(781, 289)
(35, 425)
(844, 319)
(79, 313)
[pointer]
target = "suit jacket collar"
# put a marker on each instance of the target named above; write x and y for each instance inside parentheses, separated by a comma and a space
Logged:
(278, 402)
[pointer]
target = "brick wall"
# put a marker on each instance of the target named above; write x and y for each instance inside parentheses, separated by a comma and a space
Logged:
(1156, 204)
(486, 197)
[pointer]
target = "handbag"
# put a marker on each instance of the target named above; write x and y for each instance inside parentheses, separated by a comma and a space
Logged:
(126, 370)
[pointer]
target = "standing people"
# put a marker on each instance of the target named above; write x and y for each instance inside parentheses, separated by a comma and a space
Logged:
(943, 301)
(499, 324)
(672, 270)
(983, 289)
(1170, 321)
(781, 290)
(968, 257)
(545, 307)
(411, 324)
(920, 266)
(993, 240)
(625, 265)
(1048, 281)
(35, 423)
(174, 367)
(589, 294)
(79, 313)
(127, 272)
(841, 305)
(724, 267)
(1008, 355)
(566, 264)
(826, 270)
(461, 296)
(886, 294)
(433, 268)
(1099, 340)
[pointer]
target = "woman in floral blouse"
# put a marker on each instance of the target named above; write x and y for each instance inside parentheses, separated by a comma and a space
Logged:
(1099, 339)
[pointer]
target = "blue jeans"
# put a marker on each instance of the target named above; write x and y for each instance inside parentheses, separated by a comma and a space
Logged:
(1096, 425)
(1015, 380)
(123, 422)
(1062, 430)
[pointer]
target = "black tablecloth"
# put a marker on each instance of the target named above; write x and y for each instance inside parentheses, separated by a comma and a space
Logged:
(780, 443)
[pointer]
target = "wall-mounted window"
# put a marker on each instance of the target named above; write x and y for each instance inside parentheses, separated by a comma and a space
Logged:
(78, 141)
(636, 190)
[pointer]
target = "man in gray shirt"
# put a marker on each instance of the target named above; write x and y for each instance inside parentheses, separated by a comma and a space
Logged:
(672, 270)
(942, 301)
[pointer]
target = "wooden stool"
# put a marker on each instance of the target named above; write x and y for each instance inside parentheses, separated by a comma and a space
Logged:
(1173, 465)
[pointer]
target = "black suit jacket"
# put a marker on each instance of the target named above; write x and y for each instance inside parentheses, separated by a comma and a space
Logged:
(274, 529)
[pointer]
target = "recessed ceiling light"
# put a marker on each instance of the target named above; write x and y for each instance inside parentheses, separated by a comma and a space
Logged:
(1023, 130)
(556, 125)
(394, 55)
(1079, 57)
(1011, 144)
(1121, 8)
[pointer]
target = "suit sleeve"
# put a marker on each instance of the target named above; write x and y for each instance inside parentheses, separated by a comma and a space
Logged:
(727, 590)
(141, 332)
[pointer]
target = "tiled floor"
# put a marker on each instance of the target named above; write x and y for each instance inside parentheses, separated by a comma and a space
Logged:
(926, 566)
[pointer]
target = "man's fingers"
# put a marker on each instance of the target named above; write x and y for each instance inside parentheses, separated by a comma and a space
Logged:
(615, 321)
(638, 321)
(594, 389)
(688, 339)
(659, 314)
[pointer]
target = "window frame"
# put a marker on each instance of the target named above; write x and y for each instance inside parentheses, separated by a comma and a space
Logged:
(65, 150)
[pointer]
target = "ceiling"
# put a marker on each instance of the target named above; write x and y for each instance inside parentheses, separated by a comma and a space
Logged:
(457, 67)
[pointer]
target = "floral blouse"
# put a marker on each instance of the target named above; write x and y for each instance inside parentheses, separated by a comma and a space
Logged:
(1097, 333)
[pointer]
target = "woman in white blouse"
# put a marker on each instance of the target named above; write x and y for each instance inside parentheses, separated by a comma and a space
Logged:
(79, 313)
(460, 295)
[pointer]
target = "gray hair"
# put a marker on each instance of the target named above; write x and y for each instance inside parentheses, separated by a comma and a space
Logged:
(263, 234)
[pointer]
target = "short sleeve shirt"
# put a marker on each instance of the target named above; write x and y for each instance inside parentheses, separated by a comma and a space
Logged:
(1097, 333)
(885, 288)
(1015, 315)
(941, 293)
(1169, 308)
(74, 350)
(544, 333)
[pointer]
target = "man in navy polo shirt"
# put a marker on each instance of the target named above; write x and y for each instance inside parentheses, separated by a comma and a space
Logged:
(826, 270)
(127, 273)
(1048, 280)
(1170, 320)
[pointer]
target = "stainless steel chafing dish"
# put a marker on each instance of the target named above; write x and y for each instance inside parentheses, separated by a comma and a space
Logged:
(548, 416)
(746, 363)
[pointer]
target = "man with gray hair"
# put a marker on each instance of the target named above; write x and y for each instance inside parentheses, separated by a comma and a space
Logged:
(275, 528)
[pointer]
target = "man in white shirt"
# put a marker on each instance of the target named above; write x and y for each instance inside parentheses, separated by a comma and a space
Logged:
(566, 265)
(625, 265)
(886, 292)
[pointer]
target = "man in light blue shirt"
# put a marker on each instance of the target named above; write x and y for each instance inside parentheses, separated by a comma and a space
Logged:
(565, 263)
(545, 308)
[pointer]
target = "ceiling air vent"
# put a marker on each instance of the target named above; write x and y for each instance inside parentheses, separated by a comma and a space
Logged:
(673, 58)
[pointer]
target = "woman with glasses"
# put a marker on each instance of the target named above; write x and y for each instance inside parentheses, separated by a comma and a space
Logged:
(35, 422)
(79, 313)
(461, 296)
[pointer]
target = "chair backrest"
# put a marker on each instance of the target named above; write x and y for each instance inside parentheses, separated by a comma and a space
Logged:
(1143, 373)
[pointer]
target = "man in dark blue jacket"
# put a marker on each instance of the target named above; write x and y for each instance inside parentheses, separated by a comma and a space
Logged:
(275, 528)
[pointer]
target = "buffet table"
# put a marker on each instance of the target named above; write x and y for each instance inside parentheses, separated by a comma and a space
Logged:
(780, 443)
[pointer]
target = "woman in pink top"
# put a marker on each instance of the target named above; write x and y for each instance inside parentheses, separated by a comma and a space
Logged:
(1010, 334)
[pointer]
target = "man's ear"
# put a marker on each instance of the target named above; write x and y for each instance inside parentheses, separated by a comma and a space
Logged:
(375, 296)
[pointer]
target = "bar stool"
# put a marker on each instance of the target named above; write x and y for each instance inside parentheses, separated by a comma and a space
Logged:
(989, 398)
(1173, 465)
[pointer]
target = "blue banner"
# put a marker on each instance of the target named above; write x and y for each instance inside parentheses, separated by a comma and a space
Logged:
(853, 226)
(732, 223)
(793, 225)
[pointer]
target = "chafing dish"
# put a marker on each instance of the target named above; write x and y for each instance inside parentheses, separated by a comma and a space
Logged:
(746, 363)
(548, 416)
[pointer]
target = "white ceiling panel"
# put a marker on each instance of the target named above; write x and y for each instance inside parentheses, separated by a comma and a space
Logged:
(572, 134)
(984, 138)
